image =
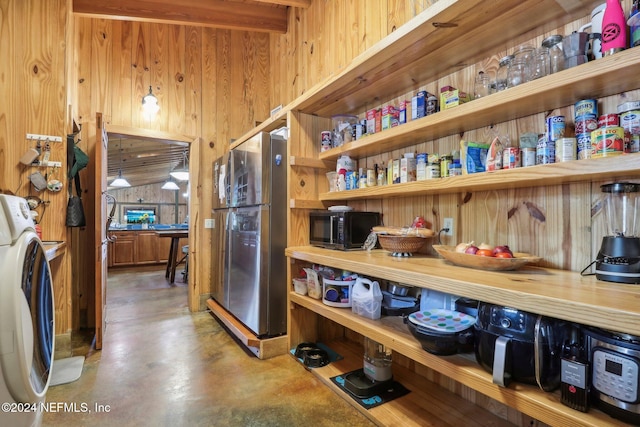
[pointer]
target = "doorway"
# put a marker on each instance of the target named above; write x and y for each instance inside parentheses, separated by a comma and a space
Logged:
(145, 159)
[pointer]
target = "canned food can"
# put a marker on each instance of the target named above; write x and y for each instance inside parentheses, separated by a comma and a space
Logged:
(566, 149)
(325, 140)
(545, 152)
(511, 158)
(586, 107)
(630, 121)
(586, 123)
(608, 120)
(629, 106)
(583, 146)
(528, 156)
(607, 142)
(555, 128)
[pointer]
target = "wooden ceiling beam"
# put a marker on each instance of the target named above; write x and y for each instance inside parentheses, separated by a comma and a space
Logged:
(211, 13)
(293, 3)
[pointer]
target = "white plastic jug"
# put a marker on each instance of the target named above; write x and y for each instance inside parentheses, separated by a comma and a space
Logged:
(366, 298)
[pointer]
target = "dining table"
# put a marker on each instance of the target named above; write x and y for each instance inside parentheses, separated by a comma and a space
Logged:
(172, 261)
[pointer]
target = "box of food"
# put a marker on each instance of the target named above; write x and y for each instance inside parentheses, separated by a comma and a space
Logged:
(389, 117)
(418, 105)
(452, 97)
(408, 168)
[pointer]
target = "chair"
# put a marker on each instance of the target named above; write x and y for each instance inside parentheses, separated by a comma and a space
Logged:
(185, 258)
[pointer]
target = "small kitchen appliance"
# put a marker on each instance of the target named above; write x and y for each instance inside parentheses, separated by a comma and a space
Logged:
(619, 256)
(516, 345)
(615, 373)
(343, 230)
(375, 376)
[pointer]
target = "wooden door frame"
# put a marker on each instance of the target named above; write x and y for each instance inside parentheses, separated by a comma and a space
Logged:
(194, 156)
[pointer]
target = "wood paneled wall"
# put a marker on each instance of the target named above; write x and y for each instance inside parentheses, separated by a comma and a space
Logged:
(34, 100)
(211, 84)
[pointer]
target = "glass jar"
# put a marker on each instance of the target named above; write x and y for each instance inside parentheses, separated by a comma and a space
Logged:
(502, 74)
(526, 54)
(540, 64)
(556, 55)
(517, 73)
(481, 87)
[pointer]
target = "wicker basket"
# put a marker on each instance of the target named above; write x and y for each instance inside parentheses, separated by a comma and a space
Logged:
(401, 244)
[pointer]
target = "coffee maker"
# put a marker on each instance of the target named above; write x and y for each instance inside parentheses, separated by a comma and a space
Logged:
(619, 257)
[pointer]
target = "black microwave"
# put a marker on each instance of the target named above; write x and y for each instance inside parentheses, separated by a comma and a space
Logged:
(341, 230)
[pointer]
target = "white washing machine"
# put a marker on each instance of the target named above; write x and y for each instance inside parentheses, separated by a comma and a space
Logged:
(26, 316)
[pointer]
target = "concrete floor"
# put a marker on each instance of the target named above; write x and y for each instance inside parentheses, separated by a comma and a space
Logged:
(163, 366)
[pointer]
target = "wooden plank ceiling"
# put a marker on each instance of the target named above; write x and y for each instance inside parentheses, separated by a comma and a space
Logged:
(254, 15)
(143, 161)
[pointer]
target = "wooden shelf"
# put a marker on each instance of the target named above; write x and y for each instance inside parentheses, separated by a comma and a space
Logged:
(272, 123)
(607, 76)
(53, 250)
(306, 204)
(308, 162)
(539, 175)
(555, 293)
(426, 401)
(442, 39)
(463, 368)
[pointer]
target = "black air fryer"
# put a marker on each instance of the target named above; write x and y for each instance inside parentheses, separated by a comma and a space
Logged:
(520, 346)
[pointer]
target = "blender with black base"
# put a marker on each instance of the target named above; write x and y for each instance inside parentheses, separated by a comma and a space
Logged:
(619, 256)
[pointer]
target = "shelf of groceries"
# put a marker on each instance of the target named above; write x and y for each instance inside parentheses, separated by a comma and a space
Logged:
(393, 334)
(595, 169)
(596, 79)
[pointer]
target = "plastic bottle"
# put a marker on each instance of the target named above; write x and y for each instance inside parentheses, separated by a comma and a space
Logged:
(614, 28)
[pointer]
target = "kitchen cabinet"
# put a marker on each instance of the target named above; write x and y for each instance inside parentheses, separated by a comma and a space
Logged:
(138, 247)
(146, 247)
(122, 250)
(421, 51)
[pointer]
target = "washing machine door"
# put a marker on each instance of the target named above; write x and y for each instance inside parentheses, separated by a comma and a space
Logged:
(26, 318)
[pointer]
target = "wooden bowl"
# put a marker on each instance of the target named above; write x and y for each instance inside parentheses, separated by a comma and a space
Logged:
(483, 262)
(401, 244)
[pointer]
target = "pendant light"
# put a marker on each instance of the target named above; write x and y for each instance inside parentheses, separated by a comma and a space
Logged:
(170, 185)
(120, 181)
(182, 174)
(150, 103)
